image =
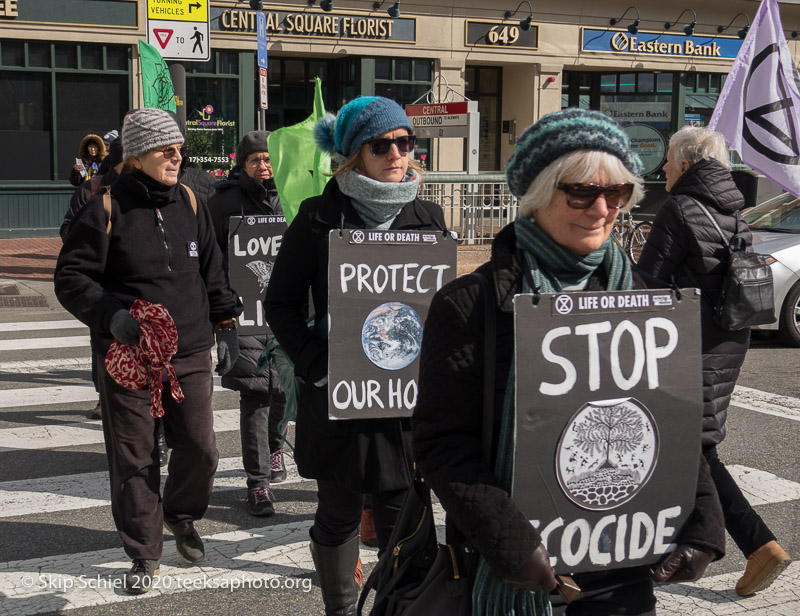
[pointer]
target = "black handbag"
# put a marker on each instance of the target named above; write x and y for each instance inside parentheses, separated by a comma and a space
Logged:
(746, 295)
(418, 576)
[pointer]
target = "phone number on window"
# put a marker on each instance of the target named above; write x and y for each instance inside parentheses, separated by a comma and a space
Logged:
(209, 159)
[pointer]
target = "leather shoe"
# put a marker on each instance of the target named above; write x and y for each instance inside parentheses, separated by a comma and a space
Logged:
(763, 567)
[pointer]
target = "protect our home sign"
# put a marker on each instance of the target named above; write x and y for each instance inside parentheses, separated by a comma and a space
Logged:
(380, 285)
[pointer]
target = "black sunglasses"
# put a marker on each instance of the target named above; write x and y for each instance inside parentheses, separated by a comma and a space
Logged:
(381, 147)
(583, 196)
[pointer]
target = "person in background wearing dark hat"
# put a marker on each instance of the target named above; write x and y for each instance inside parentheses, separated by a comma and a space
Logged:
(91, 152)
(685, 248)
(572, 171)
(153, 247)
(261, 397)
(375, 187)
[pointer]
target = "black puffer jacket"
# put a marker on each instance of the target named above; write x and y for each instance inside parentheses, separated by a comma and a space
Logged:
(367, 456)
(447, 425)
(240, 196)
(682, 237)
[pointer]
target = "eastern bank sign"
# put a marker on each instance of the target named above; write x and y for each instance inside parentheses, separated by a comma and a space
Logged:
(317, 25)
(660, 44)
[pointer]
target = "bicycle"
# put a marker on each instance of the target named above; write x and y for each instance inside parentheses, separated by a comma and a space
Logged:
(631, 235)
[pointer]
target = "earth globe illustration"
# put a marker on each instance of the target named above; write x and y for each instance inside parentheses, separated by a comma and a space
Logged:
(392, 335)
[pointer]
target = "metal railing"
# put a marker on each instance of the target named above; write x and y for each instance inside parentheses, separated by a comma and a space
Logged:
(475, 206)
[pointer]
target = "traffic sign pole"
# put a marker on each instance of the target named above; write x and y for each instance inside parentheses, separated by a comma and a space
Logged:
(177, 73)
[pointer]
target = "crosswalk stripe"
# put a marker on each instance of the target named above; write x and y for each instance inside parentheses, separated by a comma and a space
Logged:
(84, 433)
(31, 344)
(767, 403)
(22, 326)
(31, 366)
(62, 394)
(84, 490)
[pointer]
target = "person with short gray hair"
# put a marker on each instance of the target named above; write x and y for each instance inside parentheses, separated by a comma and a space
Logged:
(685, 249)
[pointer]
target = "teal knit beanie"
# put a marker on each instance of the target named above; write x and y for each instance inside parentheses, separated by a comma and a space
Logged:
(359, 121)
(562, 132)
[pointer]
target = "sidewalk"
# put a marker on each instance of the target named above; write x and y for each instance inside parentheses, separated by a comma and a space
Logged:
(26, 272)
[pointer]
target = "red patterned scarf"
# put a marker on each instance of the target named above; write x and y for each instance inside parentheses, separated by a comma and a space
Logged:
(136, 366)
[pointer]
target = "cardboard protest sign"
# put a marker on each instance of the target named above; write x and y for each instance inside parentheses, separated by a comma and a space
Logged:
(380, 285)
(609, 408)
(253, 244)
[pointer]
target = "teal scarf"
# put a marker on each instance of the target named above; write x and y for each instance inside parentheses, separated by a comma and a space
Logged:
(378, 203)
(552, 269)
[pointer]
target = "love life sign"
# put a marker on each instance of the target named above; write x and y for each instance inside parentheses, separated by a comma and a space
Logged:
(380, 285)
(609, 405)
(253, 244)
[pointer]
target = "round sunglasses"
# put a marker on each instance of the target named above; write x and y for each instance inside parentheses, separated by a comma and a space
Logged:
(381, 147)
(583, 196)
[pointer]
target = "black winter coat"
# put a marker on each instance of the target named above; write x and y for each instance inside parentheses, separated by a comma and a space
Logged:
(175, 263)
(447, 428)
(682, 237)
(199, 181)
(367, 456)
(82, 195)
(240, 197)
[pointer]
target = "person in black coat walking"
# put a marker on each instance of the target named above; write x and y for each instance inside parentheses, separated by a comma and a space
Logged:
(375, 186)
(572, 172)
(685, 249)
(262, 400)
(153, 245)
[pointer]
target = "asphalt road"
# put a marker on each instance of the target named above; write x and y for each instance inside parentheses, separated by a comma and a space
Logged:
(56, 526)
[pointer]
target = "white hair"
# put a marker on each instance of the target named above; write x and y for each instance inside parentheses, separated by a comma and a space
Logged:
(579, 166)
(695, 143)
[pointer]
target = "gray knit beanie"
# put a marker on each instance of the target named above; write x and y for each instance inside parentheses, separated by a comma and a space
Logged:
(562, 132)
(254, 141)
(148, 129)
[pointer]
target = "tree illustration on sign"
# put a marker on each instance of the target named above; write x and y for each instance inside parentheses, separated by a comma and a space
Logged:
(617, 429)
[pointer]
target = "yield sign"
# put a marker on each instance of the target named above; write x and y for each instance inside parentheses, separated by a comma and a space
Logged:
(163, 36)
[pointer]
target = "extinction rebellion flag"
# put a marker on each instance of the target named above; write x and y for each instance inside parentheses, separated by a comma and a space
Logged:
(758, 111)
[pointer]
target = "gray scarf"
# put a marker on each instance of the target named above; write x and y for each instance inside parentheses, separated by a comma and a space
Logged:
(378, 203)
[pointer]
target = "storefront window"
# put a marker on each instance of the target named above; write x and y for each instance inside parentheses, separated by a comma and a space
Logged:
(90, 101)
(212, 114)
(483, 85)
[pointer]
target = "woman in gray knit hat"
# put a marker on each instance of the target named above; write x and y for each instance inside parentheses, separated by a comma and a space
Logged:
(572, 171)
(148, 239)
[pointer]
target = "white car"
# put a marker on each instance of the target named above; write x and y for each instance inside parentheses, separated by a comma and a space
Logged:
(776, 233)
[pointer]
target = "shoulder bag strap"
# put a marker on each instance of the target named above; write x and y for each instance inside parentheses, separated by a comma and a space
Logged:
(192, 198)
(705, 211)
(689, 272)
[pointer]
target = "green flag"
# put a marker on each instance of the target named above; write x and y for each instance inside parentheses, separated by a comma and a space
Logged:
(300, 167)
(156, 83)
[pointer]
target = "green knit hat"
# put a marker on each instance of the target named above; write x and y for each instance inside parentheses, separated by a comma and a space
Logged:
(562, 132)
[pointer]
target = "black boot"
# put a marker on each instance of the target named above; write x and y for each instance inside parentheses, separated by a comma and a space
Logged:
(335, 568)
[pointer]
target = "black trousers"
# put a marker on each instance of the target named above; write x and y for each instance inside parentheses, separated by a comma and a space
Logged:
(339, 514)
(744, 525)
(259, 417)
(133, 466)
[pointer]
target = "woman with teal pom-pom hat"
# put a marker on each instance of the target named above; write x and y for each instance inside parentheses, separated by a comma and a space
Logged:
(374, 187)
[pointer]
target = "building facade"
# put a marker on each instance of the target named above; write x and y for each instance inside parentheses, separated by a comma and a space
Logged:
(71, 67)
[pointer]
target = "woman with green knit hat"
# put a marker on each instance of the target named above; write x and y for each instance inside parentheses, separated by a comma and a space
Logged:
(572, 172)
(374, 187)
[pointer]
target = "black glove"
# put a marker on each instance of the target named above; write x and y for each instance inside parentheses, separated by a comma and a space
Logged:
(124, 327)
(534, 573)
(227, 350)
(685, 564)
